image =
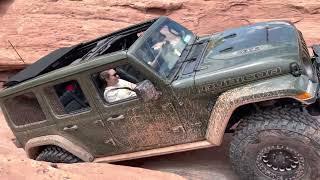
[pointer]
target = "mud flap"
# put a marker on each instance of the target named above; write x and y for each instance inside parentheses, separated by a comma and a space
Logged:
(316, 50)
(316, 59)
(314, 109)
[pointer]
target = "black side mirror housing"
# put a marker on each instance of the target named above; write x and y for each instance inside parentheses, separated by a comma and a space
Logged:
(146, 91)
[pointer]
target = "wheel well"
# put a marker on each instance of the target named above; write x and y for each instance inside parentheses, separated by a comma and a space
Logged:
(251, 108)
(35, 151)
(35, 145)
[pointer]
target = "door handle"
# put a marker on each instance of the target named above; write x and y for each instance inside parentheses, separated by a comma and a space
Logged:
(116, 118)
(70, 128)
(99, 123)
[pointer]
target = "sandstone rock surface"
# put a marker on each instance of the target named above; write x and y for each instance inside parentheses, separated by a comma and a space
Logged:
(37, 27)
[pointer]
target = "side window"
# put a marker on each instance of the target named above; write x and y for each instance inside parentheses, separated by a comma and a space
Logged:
(66, 98)
(24, 109)
(116, 84)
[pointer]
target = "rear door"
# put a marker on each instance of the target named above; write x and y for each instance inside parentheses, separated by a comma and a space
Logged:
(76, 116)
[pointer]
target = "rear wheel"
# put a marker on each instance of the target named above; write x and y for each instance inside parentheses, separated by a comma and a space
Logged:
(277, 144)
(56, 154)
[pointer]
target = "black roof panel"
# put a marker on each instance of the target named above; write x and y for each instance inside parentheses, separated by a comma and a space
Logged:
(39, 67)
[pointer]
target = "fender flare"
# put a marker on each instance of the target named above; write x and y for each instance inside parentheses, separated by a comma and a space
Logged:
(33, 145)
(276, 88)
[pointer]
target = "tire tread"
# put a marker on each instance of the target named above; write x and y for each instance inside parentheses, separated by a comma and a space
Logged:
(289, 119)
(56, 154)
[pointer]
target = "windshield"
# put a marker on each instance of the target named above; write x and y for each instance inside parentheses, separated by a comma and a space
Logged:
(162, 49)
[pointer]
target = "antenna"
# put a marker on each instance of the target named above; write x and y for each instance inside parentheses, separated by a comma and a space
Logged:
(16, 52)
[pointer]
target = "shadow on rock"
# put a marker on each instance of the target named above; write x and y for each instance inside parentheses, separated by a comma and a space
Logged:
(4, 5)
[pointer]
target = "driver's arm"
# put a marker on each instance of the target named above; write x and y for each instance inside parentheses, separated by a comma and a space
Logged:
(110, 95)
(128, 84)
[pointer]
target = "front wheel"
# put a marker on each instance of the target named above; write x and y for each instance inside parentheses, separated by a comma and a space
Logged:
(277, 144)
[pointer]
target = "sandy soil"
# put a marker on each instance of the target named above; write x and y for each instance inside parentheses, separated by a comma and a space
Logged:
(203, 164)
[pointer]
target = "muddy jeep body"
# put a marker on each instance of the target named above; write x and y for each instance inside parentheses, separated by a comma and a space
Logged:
(217, 80)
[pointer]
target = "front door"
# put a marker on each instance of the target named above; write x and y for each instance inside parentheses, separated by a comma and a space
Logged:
(136, 125)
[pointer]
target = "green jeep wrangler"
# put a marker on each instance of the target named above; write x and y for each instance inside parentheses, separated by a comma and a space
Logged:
(157, 88)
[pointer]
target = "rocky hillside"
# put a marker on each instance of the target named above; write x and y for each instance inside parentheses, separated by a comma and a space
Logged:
(36, 27)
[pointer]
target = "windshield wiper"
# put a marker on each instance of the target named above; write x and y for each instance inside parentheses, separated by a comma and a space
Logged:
(184, 54)
(187, 54)
(194, 58)
(189, 47)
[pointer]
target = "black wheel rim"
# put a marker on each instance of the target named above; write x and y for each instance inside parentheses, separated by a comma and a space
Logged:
(280, 162)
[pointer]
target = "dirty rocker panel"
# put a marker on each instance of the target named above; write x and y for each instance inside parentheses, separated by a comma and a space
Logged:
(156, 152)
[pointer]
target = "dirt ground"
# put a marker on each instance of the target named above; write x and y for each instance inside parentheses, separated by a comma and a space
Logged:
(204, 164)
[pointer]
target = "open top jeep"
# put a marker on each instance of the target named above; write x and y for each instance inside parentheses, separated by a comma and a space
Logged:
(258, 82)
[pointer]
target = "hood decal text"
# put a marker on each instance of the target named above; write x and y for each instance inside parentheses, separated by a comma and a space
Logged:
(228, 82)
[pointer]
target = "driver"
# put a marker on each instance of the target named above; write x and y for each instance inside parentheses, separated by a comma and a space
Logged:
(166, 46)
(171, 37)
(115, 89)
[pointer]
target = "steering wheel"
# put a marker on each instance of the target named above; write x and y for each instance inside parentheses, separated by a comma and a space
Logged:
(167, 47)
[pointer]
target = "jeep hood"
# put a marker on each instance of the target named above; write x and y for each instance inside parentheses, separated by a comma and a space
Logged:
(248, 50)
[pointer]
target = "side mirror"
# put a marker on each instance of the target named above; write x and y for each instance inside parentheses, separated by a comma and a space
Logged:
(146, 91)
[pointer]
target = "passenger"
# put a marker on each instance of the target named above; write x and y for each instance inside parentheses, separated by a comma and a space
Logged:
(116, 87)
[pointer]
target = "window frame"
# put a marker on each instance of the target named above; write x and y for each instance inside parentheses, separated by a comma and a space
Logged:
(136, 64)
(94, 72)
(49, 100)
(41, 103)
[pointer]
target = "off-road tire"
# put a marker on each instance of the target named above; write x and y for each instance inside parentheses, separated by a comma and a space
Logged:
(264, 135)
(56, 154)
